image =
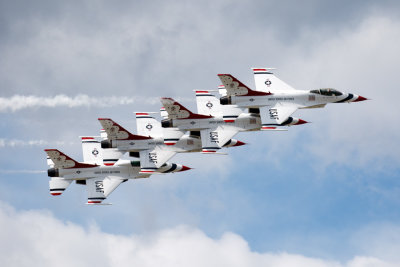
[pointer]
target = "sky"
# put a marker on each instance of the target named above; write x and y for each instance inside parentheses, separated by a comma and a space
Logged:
(325, 193)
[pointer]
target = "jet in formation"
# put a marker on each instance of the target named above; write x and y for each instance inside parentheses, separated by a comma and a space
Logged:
(100, 177)
(238, 108)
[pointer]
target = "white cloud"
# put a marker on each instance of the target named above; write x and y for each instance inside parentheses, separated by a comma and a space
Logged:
(379, 239)
(359, 60)
(36, 237)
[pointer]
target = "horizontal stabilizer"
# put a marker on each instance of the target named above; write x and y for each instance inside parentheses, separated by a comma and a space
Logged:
(163, 113)
(58, 185)
(234, 142)
(222, 90)
(172, 136)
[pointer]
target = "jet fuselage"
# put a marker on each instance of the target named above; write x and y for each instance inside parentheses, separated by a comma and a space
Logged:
(300, 98)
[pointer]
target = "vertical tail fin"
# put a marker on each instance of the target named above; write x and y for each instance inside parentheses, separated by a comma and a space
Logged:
(63, 161)
(58, 160)
(177, 111)
(117, 132)
(234, 87)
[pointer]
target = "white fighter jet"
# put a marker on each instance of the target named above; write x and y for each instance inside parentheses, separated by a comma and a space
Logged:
(215, 131)
(189, 142)
(100, 179)
(149, 149)
(275, 100)
(242, 118)
(154, 145)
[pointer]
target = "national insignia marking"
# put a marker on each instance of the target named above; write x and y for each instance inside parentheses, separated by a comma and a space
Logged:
(95, 152)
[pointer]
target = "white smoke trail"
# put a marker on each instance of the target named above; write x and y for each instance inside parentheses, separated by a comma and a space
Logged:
(18, 102)
(25, 143)
(21, 171)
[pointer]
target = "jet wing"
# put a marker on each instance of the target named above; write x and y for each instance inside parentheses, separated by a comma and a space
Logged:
(213, 139)
(266, 81)
(147, 125)
(91, 149)
(100, 187)
(208, 104)
(274, 116)
(152, 159)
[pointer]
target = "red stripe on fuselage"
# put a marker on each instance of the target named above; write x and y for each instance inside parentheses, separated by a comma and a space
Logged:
(264, 127)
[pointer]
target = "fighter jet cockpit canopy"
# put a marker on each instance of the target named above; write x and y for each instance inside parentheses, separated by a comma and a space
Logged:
(327, 92)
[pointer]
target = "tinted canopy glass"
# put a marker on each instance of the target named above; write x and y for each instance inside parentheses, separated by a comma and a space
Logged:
(326, 91)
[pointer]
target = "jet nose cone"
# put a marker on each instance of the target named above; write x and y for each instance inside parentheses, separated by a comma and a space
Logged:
(185, 168)
(360, 98)
(301, 122)
(240, 143)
